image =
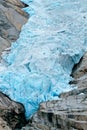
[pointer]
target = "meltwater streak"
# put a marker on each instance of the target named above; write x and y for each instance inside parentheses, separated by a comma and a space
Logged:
(39, 65)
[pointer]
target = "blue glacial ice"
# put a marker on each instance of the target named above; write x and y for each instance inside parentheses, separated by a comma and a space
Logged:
(40, 62)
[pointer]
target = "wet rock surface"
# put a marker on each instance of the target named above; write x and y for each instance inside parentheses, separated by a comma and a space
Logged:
(68, 113)
(12, 19)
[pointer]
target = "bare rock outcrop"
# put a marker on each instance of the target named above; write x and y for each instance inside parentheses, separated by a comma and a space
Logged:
(3, 125)
(11, 112)
(68, 113)
(12, 18)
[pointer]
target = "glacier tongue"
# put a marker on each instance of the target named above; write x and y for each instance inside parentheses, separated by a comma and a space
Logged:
(39, 65)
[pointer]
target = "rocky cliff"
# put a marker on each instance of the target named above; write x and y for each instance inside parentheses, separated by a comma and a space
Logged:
(12, 19)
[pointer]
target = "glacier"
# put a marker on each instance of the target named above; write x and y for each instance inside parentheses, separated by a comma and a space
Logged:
(40, 62)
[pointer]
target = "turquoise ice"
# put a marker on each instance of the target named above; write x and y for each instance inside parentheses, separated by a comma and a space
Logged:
(40, 62)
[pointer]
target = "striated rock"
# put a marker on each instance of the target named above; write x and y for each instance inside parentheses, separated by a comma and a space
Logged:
(16, 3)
(12, 18)
(68, 113)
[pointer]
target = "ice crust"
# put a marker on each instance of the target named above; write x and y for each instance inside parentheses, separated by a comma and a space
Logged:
(40, 62)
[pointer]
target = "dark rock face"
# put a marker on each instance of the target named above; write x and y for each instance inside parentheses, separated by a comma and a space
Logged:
(12, 19)
(12, 112)
(68, 113)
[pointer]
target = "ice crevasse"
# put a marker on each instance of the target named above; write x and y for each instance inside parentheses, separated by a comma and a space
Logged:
(40, 62)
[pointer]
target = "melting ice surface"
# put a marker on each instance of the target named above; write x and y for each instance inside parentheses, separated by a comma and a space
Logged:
(40, 62)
